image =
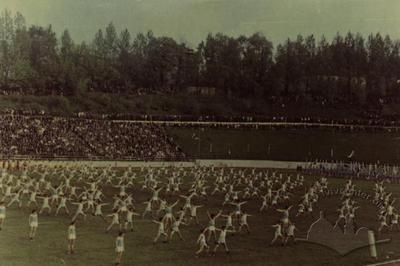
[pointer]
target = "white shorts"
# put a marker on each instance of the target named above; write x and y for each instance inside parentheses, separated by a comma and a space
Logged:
(71, 237)
(211, 228)
(119, 249)
(33, 224)
(2, 216)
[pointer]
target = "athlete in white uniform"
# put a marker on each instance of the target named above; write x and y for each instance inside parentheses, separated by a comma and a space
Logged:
(79, 210)
(169, 218)
(222, 239)
(15, 197)
(45, 205)
(229, 221)
(278, 233)
(2, 214)
(33, 224)
(62, 205)
(264, 205)
(114, 221)
(243, 222)
(129, 218)
(148, 208)
(98, 212)
(32, 198)
(290, 233)
(161, 231)
(202, 242)
(193, 212)
(175, 228)
(395, 221)
(211, 229)
(383, 224)
(71, 237)
(342, 216)
(119, 247)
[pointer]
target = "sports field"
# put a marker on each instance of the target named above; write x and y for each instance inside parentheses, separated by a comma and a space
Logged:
(287, 144)
(95, 247)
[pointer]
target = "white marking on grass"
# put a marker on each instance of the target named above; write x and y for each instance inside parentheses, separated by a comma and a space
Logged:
(384, 263)
(48, 223)
(41, 223)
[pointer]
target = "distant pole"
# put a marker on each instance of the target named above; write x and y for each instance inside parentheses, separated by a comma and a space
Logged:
(211, 148)
(372, 246)
(165, 145)
(199, 142)
(199, 148)
(269, 149)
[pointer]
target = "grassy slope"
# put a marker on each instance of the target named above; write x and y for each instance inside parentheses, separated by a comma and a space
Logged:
(286, 144)
(94, 247)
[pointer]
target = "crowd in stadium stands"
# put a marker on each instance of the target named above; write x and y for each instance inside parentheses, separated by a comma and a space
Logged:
(116, 137)
(49, 137)
(368, 119)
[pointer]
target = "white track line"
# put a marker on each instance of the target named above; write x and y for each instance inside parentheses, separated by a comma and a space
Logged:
(385, 263)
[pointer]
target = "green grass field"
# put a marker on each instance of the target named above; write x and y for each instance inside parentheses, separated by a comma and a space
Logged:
(286, 144)
(95, 247)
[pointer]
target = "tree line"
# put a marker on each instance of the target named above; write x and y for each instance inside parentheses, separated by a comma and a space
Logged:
(348, 69)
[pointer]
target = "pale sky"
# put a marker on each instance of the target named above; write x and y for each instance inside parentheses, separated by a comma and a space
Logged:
(191, 20)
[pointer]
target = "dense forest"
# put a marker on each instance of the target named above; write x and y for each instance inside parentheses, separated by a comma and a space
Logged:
(349, 69)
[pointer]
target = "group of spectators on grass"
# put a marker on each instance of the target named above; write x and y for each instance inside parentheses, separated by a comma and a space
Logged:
(356, 170)
(50, 137)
